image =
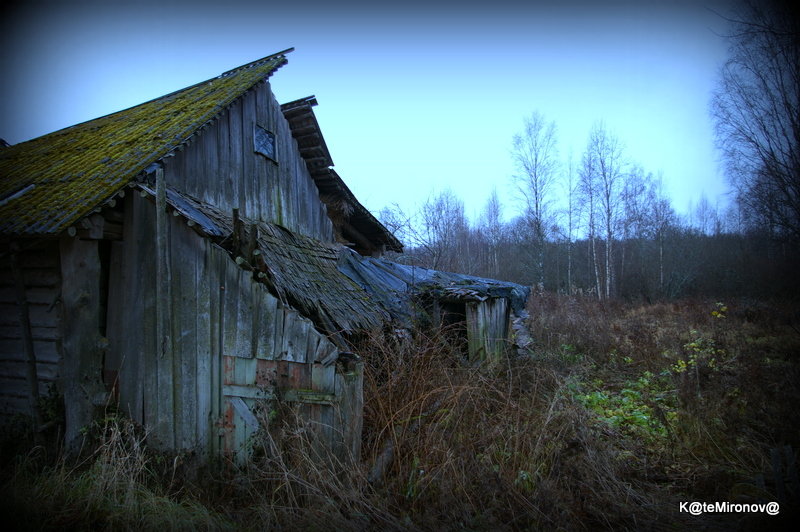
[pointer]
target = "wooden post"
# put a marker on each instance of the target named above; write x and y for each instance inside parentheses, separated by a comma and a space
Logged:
(27, 339)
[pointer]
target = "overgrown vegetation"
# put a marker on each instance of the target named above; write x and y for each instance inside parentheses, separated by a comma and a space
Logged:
(620, 412)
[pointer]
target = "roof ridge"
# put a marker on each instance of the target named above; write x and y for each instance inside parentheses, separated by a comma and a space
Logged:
(255, 63)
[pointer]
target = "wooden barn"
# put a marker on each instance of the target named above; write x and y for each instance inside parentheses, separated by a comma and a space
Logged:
(190, 260)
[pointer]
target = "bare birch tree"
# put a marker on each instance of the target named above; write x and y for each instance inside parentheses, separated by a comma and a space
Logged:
(535, 155)
(491, 225)
(588, 187)
(605, 152)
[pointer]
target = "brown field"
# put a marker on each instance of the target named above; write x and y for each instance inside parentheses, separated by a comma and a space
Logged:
(620, 412)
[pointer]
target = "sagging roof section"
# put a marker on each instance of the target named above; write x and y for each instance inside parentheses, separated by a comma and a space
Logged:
(298, 269)
(48, 183)
(353, 221)
(394, 286)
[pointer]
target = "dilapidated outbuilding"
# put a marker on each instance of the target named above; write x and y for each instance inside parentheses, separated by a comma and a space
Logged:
(195, 257)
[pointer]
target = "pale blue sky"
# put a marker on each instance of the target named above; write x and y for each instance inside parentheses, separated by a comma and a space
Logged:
(412, 99)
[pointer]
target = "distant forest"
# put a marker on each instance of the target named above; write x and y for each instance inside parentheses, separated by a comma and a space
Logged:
(654, 255)
(602, 225)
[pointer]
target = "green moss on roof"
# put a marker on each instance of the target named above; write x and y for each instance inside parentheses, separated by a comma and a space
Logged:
(49, 183)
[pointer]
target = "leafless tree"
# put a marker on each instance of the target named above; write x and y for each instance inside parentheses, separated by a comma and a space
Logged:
(442, 223)
(603, 160)
(571, 213)
(535, 155)
(588, 188)
(491, 226)
(662, 217)
(757, 114)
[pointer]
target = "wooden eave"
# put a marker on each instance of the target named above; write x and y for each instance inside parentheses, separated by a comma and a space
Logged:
(362, 227)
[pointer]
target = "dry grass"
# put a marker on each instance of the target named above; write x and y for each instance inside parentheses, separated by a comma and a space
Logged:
(620, 412)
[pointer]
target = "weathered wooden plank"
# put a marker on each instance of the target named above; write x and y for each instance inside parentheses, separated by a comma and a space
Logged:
(135, 328)
(238, 311)
(228, 370)
(268, 307)
(246, 391)
(17, 369)
(210, 172)
(323, 380)
(277, 340)
(39, 315)
(232, 161)
(349, 418)
(256, 314)
(35, 295)
(305, 396)
(244, 413)
(289, 335)
(117, 307)
(46, 350)
(248, 196)
(12, 405)
(11, 332)
(43, 256)
(218, 180)
(164, 429)
(17, 387)
(41, 277)
(244, 368)
(216, 260)
(326, 352)
(185, 255)
(83, 362)
(204, 281)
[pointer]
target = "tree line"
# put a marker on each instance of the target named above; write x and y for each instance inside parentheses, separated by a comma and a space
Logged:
(602, 225)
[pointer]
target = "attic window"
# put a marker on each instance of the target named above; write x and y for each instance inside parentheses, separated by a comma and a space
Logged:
(265, 143)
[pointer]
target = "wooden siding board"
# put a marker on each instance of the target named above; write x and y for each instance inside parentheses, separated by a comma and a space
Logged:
(41, 279)
(234, 158)
(323, 380)
(210, 143)
(215, 257)
(83, 362)
(39, 333)
(142, 275)
(34, 295)
(247, 198)
(47, 372)
(116, 308)
(203, 281)
(184, 256)
(46, 351)
(18, 388)
(269, 309)
(39, 315)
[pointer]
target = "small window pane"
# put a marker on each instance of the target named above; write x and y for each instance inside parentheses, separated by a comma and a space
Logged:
(265, 142)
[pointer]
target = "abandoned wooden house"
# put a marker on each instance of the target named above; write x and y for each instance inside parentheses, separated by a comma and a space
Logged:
(195, 257)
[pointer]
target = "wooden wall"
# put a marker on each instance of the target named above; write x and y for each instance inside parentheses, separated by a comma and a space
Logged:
(227, 345)
(40, 266)
(220, 167)
(487, 328)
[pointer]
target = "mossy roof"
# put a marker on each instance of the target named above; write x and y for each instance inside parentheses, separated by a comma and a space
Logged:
(50, 182)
